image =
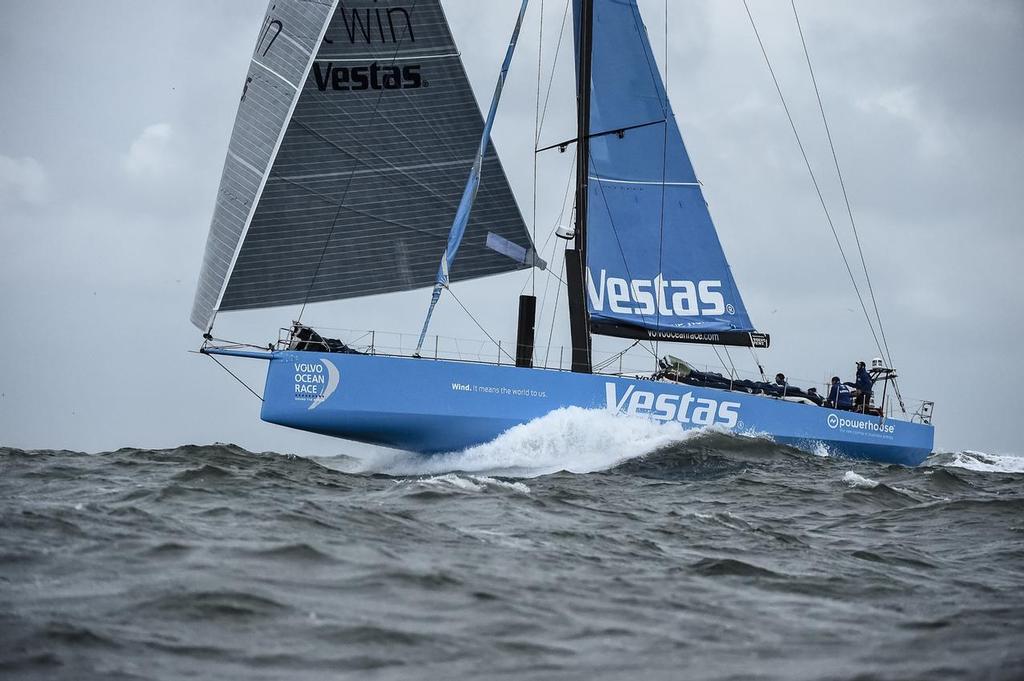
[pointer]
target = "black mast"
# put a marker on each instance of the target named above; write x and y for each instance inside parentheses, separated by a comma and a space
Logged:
(576, 258)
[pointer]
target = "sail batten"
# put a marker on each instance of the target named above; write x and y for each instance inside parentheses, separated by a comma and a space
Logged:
(359, 195)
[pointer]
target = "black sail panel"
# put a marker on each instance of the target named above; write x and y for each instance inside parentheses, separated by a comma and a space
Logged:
(362, 191)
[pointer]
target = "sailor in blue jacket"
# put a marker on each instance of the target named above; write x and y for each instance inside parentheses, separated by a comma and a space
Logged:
(863, 384)
(839, 396)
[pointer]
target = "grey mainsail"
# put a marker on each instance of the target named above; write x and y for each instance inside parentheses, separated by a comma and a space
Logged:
(357, 195)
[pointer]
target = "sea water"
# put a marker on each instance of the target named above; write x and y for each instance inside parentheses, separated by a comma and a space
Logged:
(580, 546)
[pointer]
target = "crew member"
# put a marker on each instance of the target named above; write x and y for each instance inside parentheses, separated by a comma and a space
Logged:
(780, 383)
(839, 396)
(864, 385)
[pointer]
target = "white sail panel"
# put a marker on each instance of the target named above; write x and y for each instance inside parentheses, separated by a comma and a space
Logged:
(283, 53)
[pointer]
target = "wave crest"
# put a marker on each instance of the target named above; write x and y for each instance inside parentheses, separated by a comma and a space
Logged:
(985, 463)
(570, 439)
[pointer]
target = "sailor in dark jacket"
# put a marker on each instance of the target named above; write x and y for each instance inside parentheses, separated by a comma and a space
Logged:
(839, 396)
(863, 384)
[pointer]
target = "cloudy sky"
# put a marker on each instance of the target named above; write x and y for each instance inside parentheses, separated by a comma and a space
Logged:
(115, 117)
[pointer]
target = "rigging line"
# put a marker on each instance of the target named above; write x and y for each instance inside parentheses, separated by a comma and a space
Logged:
(757, 361)
(392, 167)
(610, 360)
(238, 344)
(244, 384)
(649, 349)
(618, 132)
(536, 135)
(330, 200)
(554, 251)
(348, 185)
(479, 325)
(551, 275)
(428, 121)
(720, 360)
(445, 140)
(731, 363)
(556, 277)
(554, 315)
(551, 79)
(558, 221)
(842, 183)
(664, 173)
(639, 343)
(814, 180)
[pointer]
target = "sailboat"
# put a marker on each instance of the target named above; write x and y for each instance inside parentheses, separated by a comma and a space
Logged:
(346, 176)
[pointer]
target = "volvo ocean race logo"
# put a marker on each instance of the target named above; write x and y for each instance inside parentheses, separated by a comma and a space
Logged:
(872, 426)
(658, 297)
(315, 381)
(701, 411)
(384, 26)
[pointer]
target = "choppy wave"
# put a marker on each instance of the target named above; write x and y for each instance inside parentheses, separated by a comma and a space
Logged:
(472, 483)
(582, 545)
(854, 480)
(571, 439)
(989, 463)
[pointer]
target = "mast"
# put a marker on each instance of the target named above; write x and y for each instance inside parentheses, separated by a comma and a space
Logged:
(576, 258)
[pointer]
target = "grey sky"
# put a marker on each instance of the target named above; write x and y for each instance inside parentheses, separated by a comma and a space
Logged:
(116, 116)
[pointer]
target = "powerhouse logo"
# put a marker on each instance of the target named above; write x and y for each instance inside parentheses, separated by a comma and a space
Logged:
(835, 421)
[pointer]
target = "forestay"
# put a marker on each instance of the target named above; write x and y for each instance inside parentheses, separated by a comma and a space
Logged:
(348, 185)
(655, 266)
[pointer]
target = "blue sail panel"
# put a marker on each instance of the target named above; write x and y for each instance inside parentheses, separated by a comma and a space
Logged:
(654, 260)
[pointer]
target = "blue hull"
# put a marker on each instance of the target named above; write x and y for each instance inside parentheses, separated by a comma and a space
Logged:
(430, 406)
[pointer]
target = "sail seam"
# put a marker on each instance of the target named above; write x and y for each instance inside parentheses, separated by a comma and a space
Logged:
(242, 161)
(398, 58)
(368, 149)
(270, 70)
(376, 171)
(266, 174)
(657, 184)
(295, 43)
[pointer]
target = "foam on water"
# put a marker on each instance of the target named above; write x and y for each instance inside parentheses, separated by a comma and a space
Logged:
(473, 483)
(987, 463)
(572, 439)
(859, 481)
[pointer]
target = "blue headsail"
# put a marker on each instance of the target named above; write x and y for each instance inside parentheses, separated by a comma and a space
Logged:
(458, 229)
(655, 266)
